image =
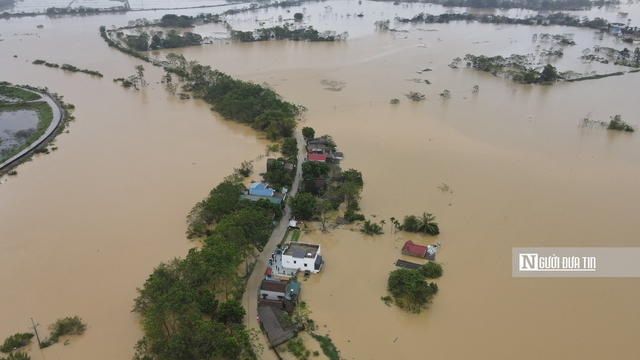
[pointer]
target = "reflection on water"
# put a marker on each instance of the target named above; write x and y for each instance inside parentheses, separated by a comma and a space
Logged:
(97, 215)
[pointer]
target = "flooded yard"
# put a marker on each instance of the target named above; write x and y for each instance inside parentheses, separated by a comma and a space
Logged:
(92, 219)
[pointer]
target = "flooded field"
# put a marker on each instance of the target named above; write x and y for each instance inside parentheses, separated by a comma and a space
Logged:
(81, 228)
(16, 126)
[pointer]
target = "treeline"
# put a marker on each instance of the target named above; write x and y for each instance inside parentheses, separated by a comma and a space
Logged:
(519, 4)
(623, 57)
(67, 67)
(159, 40)
(558, 18)
(285, 32)
(190, 308)
(257, 106)
(83, 10)
(514, 67)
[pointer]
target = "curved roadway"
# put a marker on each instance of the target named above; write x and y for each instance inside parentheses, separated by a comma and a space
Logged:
(55, 121)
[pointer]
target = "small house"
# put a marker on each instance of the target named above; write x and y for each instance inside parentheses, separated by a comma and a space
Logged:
(426, 252)
(317, 157)
(302, 256)
(260, 189)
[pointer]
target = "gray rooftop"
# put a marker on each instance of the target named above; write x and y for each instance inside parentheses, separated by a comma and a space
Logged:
(301, 250)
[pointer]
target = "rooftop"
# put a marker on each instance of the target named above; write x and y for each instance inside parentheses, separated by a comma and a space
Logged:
(301, 250)
(275, 286)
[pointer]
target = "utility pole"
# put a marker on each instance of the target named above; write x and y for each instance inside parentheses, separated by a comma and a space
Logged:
(35, 328)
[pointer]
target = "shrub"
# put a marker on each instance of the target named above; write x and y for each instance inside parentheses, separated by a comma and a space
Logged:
(369, 228)
(285, 320)
(15, 341)
(415, 96)
(298, 16)
(431, 270)
(616, 123)
(67, 326)
(18, 355)
(394, 101)
(351, 216)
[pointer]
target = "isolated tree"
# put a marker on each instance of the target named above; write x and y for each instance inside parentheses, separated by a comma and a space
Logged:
(427, 225)
(140, 75)
(476, 89)
(298, 16)
(549, 73)
(308, 132)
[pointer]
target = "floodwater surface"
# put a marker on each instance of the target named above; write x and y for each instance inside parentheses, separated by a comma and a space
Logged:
(83, 227)
(14, 121)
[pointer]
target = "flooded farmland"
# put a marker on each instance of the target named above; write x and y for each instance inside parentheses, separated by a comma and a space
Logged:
(81, 228)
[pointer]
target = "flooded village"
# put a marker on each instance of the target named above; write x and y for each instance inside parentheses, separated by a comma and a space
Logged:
(502, 165)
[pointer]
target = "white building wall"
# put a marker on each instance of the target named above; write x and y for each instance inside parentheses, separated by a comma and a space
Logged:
(290, 262)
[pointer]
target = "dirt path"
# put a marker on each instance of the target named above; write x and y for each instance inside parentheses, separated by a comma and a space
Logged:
(250, 298)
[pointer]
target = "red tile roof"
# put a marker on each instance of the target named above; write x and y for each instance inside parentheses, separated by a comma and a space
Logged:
(317, 157)
(414, 249)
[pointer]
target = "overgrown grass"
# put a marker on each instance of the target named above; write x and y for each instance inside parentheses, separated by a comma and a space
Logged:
(328, 348)
(17, 93)
(295, 236)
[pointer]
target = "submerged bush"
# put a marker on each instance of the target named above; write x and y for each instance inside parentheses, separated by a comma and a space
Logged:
(15, 341)
(67, 326)
(616, 123)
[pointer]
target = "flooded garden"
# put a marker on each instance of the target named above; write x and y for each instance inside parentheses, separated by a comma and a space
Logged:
(83, 227)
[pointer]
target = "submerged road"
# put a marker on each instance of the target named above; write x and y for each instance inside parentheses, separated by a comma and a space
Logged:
(250, 298)
(56, 110)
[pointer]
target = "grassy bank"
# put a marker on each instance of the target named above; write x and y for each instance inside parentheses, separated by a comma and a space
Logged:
(45, 116)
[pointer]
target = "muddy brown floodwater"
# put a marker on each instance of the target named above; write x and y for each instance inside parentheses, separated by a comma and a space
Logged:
(81, 228)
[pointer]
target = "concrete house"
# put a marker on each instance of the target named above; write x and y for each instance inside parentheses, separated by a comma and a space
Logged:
(302, 256)
(275, 289)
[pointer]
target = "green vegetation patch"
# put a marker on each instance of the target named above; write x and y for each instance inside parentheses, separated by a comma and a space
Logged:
(18, 355)
(16, 341)
(15, 93)
(327, 346)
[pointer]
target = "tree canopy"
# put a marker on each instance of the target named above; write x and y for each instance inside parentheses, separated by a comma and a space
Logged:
(303, 205)
(410, 289)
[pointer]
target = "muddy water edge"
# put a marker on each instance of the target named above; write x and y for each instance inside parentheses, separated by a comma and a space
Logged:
(84, 226)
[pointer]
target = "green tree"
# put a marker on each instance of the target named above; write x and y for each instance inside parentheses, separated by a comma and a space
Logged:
(308, 132)
(409, 289)
(369, 228)
(277, 177)
(427, 225)
(303, 205)
(289, 147)
(298, 16)
(14, 341)
(18, 355)
(231, 311)
(431, 270)
(549, 73)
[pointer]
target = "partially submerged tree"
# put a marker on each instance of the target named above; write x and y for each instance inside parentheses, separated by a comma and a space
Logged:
(410, 290)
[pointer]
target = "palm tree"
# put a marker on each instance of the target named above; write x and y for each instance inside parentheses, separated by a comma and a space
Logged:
(394, 221)
(427, 224)
(382, 223)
